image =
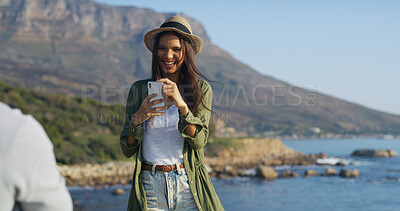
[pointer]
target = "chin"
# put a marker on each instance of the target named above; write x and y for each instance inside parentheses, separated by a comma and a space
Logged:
(171, 71)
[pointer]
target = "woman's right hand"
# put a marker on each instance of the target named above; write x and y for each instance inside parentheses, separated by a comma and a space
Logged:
(146, 111)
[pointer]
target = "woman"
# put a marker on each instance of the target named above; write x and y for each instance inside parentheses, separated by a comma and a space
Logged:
(168, 141)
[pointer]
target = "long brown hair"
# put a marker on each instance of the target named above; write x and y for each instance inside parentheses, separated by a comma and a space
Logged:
(189, 74)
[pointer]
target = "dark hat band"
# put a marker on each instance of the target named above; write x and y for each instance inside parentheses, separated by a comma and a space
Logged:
(176, 25)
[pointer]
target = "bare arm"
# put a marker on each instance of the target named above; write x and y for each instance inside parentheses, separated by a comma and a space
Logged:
(130, 139)
(191, 128)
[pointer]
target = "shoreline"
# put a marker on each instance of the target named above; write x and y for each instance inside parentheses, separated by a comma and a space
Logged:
(121, 172)
(327, 137)
(229, 161)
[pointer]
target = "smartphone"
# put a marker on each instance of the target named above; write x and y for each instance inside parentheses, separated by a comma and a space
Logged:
(155, 87)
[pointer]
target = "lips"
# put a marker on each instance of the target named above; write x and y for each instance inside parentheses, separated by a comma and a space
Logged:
(169, 64)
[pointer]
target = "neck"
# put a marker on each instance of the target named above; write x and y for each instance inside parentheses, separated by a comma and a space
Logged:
(174, 77)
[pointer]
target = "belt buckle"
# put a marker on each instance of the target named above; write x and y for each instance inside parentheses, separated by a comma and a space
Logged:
(166, 168)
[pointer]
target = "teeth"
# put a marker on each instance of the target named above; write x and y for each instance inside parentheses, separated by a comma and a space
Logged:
(168, 63)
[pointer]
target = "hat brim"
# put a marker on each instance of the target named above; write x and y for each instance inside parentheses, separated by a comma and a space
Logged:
(150, 37)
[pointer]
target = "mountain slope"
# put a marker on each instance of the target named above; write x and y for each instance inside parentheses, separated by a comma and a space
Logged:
(82, 130)
(83, 48)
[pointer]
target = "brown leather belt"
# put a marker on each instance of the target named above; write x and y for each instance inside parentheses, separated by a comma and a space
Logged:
(163, 168)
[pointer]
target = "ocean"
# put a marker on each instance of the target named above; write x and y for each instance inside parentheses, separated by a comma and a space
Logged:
(377, 188)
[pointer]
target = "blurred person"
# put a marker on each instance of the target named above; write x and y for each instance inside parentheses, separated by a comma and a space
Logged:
(168, 141)
(29, 177)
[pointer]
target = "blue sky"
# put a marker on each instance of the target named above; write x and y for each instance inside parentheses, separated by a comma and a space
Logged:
(346, 49)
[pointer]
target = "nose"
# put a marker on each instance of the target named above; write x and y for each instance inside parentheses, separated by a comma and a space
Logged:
(170, 54)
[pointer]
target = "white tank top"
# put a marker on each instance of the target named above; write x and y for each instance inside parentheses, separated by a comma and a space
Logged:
(162, 141)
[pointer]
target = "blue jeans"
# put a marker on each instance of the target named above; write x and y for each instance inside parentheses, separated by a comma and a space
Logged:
(168, 191)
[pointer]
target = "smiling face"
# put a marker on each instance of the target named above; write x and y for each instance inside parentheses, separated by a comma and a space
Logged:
(170, 54)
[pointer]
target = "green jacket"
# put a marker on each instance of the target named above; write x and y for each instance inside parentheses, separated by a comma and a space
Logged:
(199, 180)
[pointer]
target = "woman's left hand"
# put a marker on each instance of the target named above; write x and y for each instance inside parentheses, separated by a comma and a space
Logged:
(171, 94)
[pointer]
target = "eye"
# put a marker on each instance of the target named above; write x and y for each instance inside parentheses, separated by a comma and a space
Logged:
(177, 49)
(161, 48)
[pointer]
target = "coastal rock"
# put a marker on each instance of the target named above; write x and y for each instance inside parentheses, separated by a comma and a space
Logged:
(221, 175)
(209, 169)
(346, 173)
(392, 178)
(384, 153)
(251, 152)
(330, 172)
(246, 173)
(119, 191)
(213, 174)
(392, 153)
(311, 172)
(230, 171)
(219, 172)
(288, 174)
(322, 155)
(266, 172)
(97, 174)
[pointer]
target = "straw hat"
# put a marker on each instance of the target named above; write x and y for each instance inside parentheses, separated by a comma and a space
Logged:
(177, 24)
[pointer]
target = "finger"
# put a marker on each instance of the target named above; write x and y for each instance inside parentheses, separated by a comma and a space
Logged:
(168, 87)
(147, 99)
(168, 94)
(164, 80)
(155, 102)
(157, 114)
(169, 91)
(163, 92)
(160, 108)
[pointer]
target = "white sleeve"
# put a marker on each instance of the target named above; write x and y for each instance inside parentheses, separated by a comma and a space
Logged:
(40, 185)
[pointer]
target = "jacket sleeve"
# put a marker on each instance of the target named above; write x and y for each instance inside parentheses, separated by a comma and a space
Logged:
(201, 120)
(132, 105)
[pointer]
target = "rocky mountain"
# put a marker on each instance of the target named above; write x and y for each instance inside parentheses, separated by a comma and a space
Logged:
(88, 49)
